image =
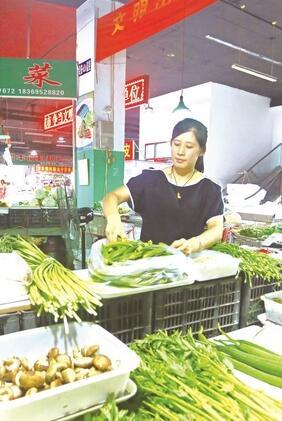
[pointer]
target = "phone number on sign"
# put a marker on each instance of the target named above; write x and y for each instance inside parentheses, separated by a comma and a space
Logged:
(43, 92)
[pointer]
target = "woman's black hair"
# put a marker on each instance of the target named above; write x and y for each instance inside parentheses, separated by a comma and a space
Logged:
(199, 130)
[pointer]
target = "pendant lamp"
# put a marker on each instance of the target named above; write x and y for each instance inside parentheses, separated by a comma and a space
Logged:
(181, 105)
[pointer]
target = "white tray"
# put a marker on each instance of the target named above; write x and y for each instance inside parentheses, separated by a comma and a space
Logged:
(130, 391)
(74, 397)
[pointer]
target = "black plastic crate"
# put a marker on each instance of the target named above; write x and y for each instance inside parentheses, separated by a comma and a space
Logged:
(25, 218)
(51, 217)
(4, 220)
(127, 318)
(9, 323)
(203, 304)
(251, 303)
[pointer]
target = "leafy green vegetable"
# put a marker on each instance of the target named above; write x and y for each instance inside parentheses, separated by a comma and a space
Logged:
(260, 233)
(253, 263)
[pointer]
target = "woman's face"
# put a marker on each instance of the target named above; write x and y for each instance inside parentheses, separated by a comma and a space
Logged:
(185, 151)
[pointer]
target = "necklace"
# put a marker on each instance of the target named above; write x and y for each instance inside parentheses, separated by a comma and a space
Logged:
(178, 194)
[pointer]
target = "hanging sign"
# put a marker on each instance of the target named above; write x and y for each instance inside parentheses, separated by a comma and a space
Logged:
(138, 20)
(37, 78)
(84, 67)
(58, 118)
(136, 91)
(128, 149)
(43, 159)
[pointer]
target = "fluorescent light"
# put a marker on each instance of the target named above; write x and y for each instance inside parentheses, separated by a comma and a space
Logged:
(33, 153)
(243, 50)
(39, 134)
(58, 145)
(253, 72)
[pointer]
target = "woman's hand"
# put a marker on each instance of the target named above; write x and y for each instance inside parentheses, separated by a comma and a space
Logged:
(192, 245)
(114, 228)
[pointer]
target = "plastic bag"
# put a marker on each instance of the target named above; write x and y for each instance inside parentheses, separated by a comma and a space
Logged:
(13, 267)
(176, 262)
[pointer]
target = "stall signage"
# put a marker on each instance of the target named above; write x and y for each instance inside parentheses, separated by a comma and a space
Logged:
(136, 91)
(128, 149)
(37, 78)
(138, 20)
(43, 159)
(58, 118)
(53, 169)
(84, 67)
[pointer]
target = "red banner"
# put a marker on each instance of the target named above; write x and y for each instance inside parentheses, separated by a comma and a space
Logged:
(138, 20)
(136, 91)
(128, 149)
(58, 118)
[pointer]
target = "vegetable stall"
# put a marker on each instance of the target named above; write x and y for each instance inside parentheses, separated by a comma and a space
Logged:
(133, 289)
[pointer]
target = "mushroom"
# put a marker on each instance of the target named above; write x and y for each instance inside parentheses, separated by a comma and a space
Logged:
(102, 363)
(31, 379)
(56, 383)
(6, 393)
(81, 373)
(53, 352)
(83, 362)
(2, 371)
(41, 365)
(31, 391)
(64, 359)
(68, 375)
(93, 372)
(51, 372)
(16, 390)
(12, 364)
(25, 364)
(89, 351)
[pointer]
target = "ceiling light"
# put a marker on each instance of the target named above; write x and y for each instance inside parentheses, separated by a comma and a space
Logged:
(170, 55)
(33, 153)
(61, 138)
(243, 6)
(181, 106)
(39, 134)
(243, 50)
(253, 72)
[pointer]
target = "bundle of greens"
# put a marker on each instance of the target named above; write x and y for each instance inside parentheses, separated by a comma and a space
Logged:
(252, 359)
(123, 250)
(53, 288)
(261, 233)
(252, 263)
(183, 378)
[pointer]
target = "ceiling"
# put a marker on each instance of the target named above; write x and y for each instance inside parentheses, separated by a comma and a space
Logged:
(159, 56)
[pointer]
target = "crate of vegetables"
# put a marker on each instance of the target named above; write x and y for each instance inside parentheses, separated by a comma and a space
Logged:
(204, 304)
(273, 306)
(50, 373)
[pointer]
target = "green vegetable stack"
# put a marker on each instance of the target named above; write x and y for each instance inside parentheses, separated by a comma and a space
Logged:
(253, 360)
(252, 263)
(124, 250)
(53, 288)
(261, 233)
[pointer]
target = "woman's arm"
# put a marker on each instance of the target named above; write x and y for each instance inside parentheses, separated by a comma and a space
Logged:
(114, 228)
(208, 238)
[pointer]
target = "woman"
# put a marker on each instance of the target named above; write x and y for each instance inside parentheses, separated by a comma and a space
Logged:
(178, 205)
(3, 189)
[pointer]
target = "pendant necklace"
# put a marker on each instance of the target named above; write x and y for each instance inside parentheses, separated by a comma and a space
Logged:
(178, 194)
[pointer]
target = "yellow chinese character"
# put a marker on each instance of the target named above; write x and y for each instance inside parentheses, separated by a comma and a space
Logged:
(139, 9)
(127, 150)
(162, 3)
(118, 20)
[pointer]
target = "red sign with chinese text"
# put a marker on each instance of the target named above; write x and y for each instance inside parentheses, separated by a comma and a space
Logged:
(58, 118)
(54, 169)
(136, 91)
(128, 149)
(138, 20)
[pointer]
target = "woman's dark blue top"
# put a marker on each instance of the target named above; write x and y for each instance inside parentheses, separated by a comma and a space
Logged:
(167, 218)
